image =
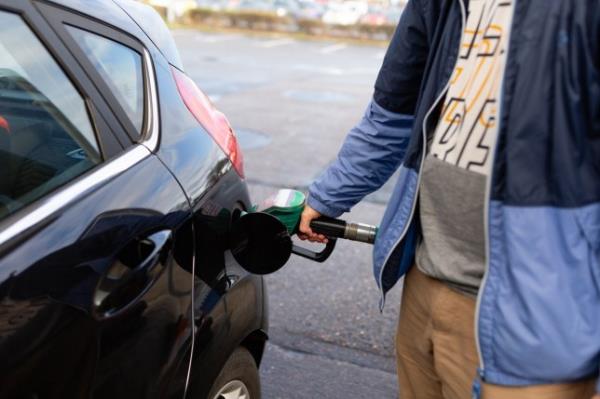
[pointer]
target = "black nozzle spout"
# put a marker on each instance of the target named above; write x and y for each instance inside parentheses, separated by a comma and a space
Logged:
(332, 228)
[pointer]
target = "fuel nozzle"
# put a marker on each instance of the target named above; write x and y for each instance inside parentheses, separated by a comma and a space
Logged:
(287, 206)
(336, 228)
(260, 240)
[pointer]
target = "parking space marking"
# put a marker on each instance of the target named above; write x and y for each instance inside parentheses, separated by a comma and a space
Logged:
(333, 48)
(275, 43)
(321, 70)
(214, 39)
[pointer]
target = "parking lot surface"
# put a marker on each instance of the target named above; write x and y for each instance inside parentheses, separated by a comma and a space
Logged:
(291, 103)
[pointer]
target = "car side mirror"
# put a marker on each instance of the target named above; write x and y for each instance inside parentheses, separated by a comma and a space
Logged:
(260, 243)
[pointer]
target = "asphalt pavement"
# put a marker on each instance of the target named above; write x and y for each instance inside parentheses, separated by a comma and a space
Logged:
(291, 103)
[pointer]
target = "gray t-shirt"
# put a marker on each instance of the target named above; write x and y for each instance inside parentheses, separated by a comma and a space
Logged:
(451, 210)
(459, 160)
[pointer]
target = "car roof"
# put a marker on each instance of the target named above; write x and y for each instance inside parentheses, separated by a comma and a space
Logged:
(132, 17)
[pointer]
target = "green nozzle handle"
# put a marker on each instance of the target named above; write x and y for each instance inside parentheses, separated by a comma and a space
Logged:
(336, 228)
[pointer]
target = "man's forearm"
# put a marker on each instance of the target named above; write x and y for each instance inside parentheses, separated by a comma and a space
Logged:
(371, 153)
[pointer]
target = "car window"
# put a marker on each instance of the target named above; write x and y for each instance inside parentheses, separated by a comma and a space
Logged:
(46, 135)
(120, 67)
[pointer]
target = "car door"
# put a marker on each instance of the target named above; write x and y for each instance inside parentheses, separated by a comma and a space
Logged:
(95, 233)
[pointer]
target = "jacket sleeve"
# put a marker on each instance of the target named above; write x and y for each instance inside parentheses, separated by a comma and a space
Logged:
(375, 147)
(371, 153)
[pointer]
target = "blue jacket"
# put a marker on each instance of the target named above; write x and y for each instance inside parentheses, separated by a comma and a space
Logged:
(538, 310)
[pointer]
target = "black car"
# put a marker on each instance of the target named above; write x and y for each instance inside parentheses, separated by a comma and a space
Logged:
(119, 182)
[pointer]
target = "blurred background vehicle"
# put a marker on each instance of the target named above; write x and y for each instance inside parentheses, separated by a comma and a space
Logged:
(375, 15)
(286, 8)
(254, 5)
(364, 19)
(213, 5)
(310, 10)
(345, 13)
(393, 15)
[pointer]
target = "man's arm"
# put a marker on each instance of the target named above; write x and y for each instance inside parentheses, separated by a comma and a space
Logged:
(371, 153)
(375, 147)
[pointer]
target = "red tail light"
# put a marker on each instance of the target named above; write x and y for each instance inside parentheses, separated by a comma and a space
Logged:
(4, 124)
(215, 123)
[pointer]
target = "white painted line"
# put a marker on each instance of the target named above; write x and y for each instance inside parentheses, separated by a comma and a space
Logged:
(214, 39)
(333, 48)
(323, 70)
(275, 43)
(331, 70)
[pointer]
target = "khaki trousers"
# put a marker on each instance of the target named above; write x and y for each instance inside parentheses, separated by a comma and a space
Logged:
(436, 353)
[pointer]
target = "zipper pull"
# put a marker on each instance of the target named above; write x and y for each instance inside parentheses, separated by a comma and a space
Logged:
(476, 394)
(476, 391)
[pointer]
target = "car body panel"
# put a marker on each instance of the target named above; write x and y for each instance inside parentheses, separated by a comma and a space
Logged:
(54, 275)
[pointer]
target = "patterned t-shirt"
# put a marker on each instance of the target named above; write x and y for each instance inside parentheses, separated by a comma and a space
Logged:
(452, 192)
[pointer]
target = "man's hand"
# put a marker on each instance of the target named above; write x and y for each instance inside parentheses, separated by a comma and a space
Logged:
(596, 396)
(306, 232)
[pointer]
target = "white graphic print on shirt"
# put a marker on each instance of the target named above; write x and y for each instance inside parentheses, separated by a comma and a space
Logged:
(467, 129)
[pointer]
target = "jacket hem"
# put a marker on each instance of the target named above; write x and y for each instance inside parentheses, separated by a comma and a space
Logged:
(322, 208)
(500, 378)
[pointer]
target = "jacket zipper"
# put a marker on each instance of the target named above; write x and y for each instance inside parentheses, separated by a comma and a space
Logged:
(424, 153)
(486, 215)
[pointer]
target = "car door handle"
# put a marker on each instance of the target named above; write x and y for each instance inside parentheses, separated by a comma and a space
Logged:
(135, 270)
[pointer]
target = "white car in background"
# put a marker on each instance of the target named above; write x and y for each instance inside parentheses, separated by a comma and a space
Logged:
(347, 13)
